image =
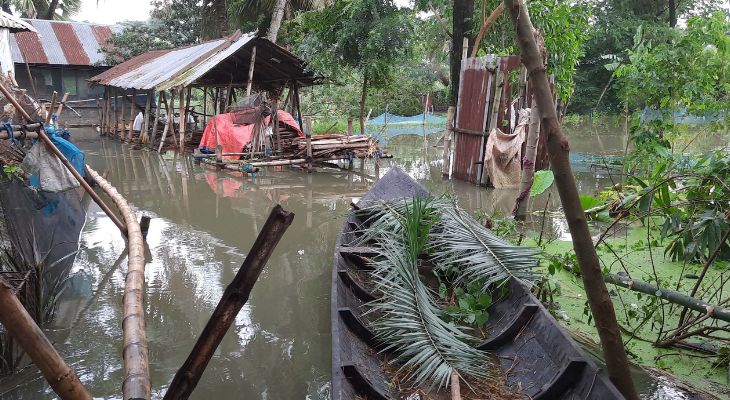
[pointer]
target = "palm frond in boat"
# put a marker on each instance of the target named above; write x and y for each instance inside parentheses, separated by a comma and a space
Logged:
(458, 241)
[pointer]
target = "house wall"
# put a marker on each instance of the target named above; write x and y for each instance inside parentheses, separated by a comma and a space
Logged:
(60, 78)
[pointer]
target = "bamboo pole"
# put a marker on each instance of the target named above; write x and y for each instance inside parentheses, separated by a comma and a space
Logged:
(60, 105)
(308, 135)
(144, 135)
(136, 384)
(528, 164)
(672, 296)
(116, 111)
(22, 327)
(65, 162)
(49, 114)
(233, 299)
(157, 117)
(251, 66)
(132, 106)
(599, 300)
(446, 167)
(493, 123)
(181, 142)
(107, 108)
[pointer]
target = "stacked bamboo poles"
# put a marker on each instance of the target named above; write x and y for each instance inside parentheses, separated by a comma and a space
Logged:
(21, 326)
(136, 383)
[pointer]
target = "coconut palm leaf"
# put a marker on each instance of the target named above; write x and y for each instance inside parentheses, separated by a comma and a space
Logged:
(460, 242)
(409, 322)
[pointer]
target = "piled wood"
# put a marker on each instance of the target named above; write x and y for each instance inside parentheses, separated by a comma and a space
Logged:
(327, 146)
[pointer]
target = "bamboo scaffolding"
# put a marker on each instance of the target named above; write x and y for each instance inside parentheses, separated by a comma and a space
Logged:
(233, 299)
(136, 384)
(22, 327)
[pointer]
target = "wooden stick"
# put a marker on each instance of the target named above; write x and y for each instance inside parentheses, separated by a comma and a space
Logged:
(250, 71)
(116, 111)
(49, 114)
(455, 387)
(230, 304)
(599, 300)
(446, 167)
(60, 105)
(672, 296)
(132, 106)
(182, 124)
(144, 135)
(64, 161)
(22, 327)
(136, 384)
(485, 27)
(157, 117)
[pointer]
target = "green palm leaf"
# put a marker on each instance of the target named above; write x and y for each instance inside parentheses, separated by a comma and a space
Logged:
(460, 242)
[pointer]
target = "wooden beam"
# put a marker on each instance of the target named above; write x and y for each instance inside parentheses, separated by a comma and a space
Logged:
(144, 134)
(251, 66)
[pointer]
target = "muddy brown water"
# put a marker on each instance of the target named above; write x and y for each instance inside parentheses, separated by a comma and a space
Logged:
(203, 223)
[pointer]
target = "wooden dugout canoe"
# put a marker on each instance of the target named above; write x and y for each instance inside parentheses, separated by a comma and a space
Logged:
(542, 359)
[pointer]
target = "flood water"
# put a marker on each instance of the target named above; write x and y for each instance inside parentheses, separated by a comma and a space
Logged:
(203, 223)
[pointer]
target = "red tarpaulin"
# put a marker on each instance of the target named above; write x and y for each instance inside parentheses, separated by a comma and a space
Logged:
(234, 137)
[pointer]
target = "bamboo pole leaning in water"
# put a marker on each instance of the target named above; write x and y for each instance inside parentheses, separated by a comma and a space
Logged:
(20, 324)
(230, 304)
(136, 383)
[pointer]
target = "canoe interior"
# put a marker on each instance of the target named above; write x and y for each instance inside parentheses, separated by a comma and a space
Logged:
(542, 359)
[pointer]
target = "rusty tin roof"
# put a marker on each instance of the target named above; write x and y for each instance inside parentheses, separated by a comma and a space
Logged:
(216, 62)
(61, 43)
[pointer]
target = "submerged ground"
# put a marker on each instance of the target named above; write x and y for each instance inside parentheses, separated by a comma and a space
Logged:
(203, 224)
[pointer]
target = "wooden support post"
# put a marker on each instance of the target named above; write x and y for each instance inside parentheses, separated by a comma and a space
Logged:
(205, 107)
(167, 121)
(107, 110)
(144, 225)
(144, 135)
(349, 126)
(60, 105)
(308, 135)
(493, 123)
(49, 115)
(136, 384)
(132, 114)
(123, 128)
(448, 134)
(251, 66)
(157, 118)
(22, 327)
(233, 299)
(181, 142)
(116, 111)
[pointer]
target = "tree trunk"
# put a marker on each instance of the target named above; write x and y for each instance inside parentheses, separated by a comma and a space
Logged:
(463, 14)
(276, 18)
(600, 303)
(363, 97)
(51, 9)
(528, 164)
(672, 13)
(215, 18)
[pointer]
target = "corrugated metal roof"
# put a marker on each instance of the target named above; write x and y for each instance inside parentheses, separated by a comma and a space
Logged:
(61, 43)
(207, 63)
(13, 23)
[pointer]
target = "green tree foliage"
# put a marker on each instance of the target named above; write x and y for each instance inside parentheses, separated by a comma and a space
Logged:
(611, 34)
(690, 70)
(172, 23)
(366, 37)
(63, 10)
(250, 15)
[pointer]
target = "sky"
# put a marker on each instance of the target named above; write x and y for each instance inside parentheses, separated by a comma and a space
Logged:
(113, 11)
